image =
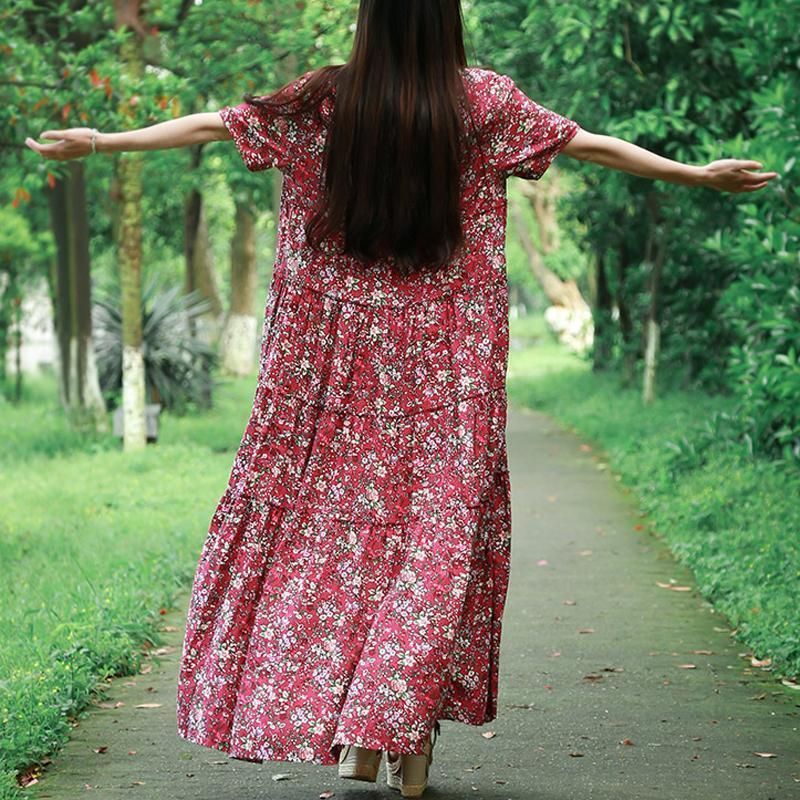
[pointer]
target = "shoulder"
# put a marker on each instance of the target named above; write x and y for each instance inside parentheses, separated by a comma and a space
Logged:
(488, 91)
(489, 81)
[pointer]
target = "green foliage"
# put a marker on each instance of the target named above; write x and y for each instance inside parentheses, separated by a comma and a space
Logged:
(693, 81)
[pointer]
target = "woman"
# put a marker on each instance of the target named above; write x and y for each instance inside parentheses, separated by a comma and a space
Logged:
(349, 594)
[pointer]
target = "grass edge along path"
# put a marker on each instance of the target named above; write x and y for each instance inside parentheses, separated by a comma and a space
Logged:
(732, 520)
(96, 546)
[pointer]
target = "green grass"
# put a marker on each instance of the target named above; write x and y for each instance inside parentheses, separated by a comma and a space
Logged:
(732, 519)
(94, 543)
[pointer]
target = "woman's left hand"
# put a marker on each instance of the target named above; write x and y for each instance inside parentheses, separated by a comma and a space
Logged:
(72, 143)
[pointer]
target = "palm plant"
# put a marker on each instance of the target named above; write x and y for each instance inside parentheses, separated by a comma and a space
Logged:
(177, 363)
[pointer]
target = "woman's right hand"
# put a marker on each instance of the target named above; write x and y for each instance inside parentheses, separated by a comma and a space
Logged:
(735, 175)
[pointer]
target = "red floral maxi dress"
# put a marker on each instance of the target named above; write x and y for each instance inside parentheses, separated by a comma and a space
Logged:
(353, 579)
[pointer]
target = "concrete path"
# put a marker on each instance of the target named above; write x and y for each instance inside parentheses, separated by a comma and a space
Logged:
(596, 702)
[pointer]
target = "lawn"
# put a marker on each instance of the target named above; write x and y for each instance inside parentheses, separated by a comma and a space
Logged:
(94, 543)
(734, 520)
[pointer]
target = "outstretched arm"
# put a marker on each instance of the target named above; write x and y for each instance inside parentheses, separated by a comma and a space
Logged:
(191, 129)
(725, 175)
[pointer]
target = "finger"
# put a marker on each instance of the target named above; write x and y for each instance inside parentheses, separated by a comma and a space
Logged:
(755, 187)
(749, 165)
(758, 174)
(53, 135)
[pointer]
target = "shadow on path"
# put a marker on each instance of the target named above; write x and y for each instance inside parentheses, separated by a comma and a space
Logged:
(594, 701)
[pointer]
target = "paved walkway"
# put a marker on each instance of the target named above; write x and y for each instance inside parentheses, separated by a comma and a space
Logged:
(595, 703)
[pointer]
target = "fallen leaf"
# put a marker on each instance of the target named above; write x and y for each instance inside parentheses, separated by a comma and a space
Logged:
(169, 629)
(501, 782)
(626, 741)
(763, 662)
(102, 749)
(593, 677)
(613, 669)
(687, 666)
(489, 734)
(568, 602)
(766, 755)
(585, 630)
(576, 755)
(542, 562)
(703, 652)
(148, 705)
(282, 776)
(749, 766)
(791, 684)
(145, 669)
(138, 783)
(673, 587)
(551, 498)
(131, 752)
(555, 654)
(326, 795)
(162, 651)
(761, 696)
(548, 686)
(585, 553)
(586, 448)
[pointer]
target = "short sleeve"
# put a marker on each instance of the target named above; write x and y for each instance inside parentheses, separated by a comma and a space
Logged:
(261, 136)
(525, 136)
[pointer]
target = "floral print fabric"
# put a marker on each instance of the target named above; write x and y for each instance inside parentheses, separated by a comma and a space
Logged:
(352, 583)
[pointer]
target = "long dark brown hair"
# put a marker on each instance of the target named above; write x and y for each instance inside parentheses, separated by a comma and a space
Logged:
(393, 150)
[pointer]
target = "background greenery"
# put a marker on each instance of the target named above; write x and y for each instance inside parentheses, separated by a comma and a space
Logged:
(94, 543)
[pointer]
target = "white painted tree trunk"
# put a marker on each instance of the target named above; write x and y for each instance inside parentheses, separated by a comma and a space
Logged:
(134, 435)
(238, 344)
(650, 361)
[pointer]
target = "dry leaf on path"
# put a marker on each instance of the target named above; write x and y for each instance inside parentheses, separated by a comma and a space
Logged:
(626, 741)
(766, 755)
(585, 630)
(568, 602)
(703, 652)
(489, 734)
(148, 705)
(542, 562)
(282, 776)
(102, 749)
(576, 755)
(760, 662)
(326, 795)
(687, 666)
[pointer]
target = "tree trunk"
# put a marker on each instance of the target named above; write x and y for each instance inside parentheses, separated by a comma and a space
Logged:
(558, 292)
(653, 327)
(199, 274)
(543, 197)
(601, 313)
(239, 337)
(79, 386)
(129, 168)
(630, 348)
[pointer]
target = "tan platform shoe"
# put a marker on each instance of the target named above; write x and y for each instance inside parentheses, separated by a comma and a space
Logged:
(409, 772)
(359, 763)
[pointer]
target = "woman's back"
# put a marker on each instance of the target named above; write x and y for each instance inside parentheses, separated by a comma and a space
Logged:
(347, 338)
